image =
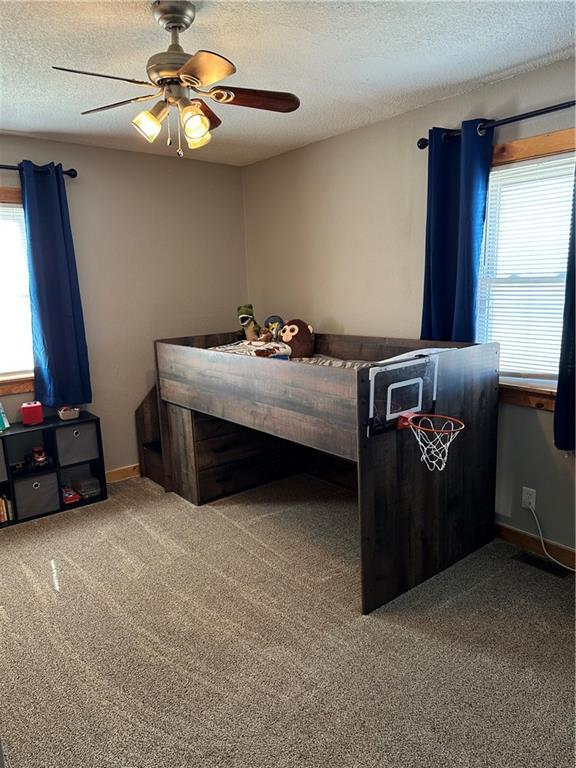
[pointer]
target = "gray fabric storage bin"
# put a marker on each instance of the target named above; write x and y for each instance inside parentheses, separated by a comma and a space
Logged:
(36, 495)
(78, 442)
(3, 472)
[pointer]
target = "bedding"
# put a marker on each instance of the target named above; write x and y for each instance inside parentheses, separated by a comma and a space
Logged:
(280, 350)
(332, 362)
(275, 349)
(336, 362)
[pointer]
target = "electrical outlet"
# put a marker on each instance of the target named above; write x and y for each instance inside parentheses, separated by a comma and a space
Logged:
(528, 498)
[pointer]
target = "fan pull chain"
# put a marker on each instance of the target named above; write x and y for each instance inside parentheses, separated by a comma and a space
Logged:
(169, 139)
(179, 150)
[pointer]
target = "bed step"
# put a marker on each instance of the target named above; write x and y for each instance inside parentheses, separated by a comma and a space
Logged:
(148, 438)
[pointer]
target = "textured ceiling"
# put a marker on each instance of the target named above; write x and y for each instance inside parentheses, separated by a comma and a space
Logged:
(351, 63)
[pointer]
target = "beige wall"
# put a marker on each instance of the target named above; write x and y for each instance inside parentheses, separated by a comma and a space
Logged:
(335, 235)
(527, 456)
(160, 252)
(335, 231)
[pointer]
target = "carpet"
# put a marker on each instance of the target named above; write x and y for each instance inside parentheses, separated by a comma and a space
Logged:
(144, 632)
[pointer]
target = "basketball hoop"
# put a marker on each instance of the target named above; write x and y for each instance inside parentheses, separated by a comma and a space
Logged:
(434, 433)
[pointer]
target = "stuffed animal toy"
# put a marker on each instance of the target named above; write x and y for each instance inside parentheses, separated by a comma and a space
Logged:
(272, 326)
(248, 322)
(300, 338)
(265, 336)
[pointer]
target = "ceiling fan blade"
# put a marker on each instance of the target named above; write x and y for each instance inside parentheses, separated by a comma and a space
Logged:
(122, 103)
(212, 116)
(108, 77)
(205, 68)
(274, 101)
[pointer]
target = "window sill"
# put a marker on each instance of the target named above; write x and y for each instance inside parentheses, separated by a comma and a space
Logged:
(528, 394)
(17, 385)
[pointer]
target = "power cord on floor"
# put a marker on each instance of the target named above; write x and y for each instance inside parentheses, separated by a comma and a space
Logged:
(543, 545)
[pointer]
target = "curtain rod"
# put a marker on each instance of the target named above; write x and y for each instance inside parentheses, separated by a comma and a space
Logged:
(72, 172)
(423, 143)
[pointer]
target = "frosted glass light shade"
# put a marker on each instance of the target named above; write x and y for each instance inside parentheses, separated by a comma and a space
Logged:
(196, 126)
(194, 121)
(149, 122)
(197, 143)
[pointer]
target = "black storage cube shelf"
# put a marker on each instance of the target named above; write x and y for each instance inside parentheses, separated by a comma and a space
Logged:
(3, 470)
(73, 451)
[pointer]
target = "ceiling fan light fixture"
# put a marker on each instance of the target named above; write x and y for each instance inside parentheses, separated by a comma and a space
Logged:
(194, 121)
(196, 126)
(197, 143)
(181, 81)
(149, 122)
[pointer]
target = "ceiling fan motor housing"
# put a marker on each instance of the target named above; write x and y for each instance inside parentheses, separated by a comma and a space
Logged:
(163, 66)
(174, 14)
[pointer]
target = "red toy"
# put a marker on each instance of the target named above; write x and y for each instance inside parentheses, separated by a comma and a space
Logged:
(32, 413)
(69, 495)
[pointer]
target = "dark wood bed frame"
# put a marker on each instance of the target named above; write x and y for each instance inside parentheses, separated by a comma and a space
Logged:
(230, 422)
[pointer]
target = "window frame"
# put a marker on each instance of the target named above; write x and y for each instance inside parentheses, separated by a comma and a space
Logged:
(517, 282)
(540, 394)
(17, 383)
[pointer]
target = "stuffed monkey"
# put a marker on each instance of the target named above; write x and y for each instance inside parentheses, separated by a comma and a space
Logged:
(300, 338)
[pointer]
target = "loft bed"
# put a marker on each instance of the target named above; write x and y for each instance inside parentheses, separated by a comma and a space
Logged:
(230, 422)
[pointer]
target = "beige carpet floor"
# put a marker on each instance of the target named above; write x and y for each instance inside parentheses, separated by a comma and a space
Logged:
(146, 633)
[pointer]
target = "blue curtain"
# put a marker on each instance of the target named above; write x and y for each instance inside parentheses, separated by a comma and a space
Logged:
(61, 370)
(564, 411)
(458, 170)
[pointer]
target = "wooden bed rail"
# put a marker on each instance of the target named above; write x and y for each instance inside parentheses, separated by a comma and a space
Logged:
(310, 405)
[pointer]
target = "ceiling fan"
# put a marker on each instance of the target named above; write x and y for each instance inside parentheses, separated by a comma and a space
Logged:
(177, 74)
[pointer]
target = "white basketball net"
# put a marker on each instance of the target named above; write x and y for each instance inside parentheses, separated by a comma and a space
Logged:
(435, 435)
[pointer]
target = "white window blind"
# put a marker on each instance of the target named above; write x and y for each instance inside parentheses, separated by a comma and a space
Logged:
(523, 270)
(15, 318)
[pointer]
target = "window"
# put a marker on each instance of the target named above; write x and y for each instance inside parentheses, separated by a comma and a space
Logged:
(15, 319)
(523, 271)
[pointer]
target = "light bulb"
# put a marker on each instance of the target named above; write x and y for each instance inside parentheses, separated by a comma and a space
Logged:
(201, 142)
(149, 122)
(196, 126)
(194, 122)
